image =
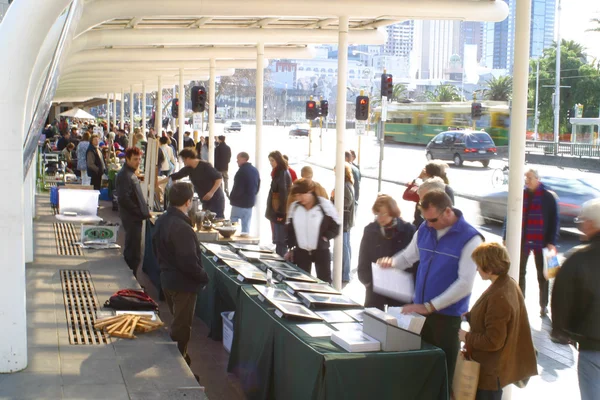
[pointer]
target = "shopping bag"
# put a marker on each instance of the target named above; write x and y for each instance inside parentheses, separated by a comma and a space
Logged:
(466, 378)
(551, 263)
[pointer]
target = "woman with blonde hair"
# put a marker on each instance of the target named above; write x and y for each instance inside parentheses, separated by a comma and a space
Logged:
(384, 237)
(500, 336)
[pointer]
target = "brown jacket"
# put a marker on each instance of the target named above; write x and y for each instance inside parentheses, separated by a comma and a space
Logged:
(500, 338)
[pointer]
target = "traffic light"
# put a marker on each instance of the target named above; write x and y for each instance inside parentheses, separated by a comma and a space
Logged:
(569, 113)
(475, 110)
(198, 99)
(387, 85)
(362, 108)
(175, 108)
(311, 110)
(324, 108)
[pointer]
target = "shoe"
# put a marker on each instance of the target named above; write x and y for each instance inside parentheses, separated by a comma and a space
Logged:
(544, 312)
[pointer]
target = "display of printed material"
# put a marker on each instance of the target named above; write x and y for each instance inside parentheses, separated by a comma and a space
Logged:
(356, 314)
(315, 300)
(246, 275)
(382, 316)
(294, 311)
(251, 247)
(310, 287)
(355, 341)
(274, 294)
(412, 322)
(348, 326)
(287, 274)
(316, 330)
(235, 264)
(393, 283)
(335, 316)
(220, 252)
(253, 255)
(272, 264)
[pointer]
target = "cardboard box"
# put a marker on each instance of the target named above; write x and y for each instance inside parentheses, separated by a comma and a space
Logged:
(392, 337)
(99, 233)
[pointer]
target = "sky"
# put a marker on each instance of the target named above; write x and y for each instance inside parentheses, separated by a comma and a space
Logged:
(575, 19)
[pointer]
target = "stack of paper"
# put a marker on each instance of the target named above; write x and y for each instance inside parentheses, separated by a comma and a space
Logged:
(393, 283)
(412, 322)
(335, 316)
(348, 326)
(355, 341)
(316, 330)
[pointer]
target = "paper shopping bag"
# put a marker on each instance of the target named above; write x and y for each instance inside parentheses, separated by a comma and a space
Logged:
(466, 378)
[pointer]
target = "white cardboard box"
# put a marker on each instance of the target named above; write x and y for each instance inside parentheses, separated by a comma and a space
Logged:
(383, 327)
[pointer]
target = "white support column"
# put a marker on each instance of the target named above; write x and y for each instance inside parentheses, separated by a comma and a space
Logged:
(122, 120)
(107, 113)
(211, 111)
(144, 122)
(28, 199)
(340, 124)
(114, 109)
(159, 108)
(258, 157)
(131, 113)
(181, 115)
(518, 127)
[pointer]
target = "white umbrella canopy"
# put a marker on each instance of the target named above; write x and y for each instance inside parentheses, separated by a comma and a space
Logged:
(77, 113)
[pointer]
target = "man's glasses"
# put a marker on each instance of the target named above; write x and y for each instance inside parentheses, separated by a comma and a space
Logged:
(433, 220)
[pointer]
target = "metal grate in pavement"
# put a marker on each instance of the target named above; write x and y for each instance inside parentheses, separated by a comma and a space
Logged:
(66, 237)
(80, 307)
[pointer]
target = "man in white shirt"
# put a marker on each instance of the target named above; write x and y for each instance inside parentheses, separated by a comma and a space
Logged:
(443, 246)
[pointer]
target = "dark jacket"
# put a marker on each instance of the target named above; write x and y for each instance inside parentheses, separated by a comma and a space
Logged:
(122, 141)
(62, 143)
(222, 157)
(356, 176)
(281, 184)
(129, 195)
(349, 206)
(95, 163)
(500, 337)
(576, 297)
(329, 228)
(188, 142)
(246, 185)
(177, 249)
(373, 246)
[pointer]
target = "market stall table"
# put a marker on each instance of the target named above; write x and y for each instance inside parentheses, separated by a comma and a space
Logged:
(275, 359)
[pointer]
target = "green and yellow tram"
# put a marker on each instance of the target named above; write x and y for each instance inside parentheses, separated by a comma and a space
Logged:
(418, 123)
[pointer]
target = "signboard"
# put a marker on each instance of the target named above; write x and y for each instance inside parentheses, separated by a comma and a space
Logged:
(197, 121)
(384, 108)
(98, 130)
(361, 128)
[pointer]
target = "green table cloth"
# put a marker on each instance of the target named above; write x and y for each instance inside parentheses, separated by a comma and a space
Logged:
(275, 359)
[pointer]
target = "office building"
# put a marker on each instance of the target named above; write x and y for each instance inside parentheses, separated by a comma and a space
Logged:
(435, 42)
(400, 39)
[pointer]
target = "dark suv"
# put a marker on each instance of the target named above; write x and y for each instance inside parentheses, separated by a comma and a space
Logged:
(460, 146)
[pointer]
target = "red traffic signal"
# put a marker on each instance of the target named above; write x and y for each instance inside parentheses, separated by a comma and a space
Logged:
(311, 110)
(362, 108)
(198, 96)
(175, 108)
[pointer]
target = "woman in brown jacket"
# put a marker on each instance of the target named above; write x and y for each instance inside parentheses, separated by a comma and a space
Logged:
(500, 336)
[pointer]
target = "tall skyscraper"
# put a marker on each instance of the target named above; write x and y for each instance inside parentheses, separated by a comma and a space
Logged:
(435, 43)
(400, 38)
(499, 42)
(471, 33)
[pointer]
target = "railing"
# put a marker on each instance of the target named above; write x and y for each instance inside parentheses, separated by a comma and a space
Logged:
(564, 149)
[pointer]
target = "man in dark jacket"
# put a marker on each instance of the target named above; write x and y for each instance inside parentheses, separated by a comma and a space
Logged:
(188, 141)
(246, 185)
(576, 301)
(222, 159)
(63, 141)
(132, 207)
(177, 250)
(121, 139)
(540, 230)
(95, 163)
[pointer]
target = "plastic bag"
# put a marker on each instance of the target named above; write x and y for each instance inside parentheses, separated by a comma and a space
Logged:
(551, 263)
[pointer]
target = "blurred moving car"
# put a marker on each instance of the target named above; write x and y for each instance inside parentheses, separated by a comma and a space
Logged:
(232, 125)
(299, 130)
(572, 193)
(462, 145)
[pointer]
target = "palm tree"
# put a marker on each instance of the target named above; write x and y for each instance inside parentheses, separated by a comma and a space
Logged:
(574, 47)
(444, 93)
(498, 89)
(597, 22)
(399, 92)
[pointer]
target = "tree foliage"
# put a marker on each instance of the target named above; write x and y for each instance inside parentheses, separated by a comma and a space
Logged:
(444, 93)
(498, 89)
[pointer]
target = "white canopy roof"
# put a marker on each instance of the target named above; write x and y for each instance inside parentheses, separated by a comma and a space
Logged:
(77, 113)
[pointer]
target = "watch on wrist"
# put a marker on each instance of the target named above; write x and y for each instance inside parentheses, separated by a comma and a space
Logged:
(429, 307)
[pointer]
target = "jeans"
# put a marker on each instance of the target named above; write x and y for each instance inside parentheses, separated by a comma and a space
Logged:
(280, 238)
(347, 258)
(588, 371)
(539, 265)
(182, 306)
(85, 178)
(243, 214)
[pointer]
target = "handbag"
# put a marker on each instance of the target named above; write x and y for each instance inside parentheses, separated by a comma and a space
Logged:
(410, 194)
(131, 299)
(275, 202)
(466, 377)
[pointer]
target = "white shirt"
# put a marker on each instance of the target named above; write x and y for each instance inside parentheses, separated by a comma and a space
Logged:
(307, 223)
(467, 269)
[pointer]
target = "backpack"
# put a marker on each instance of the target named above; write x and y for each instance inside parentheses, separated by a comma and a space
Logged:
(131, 299)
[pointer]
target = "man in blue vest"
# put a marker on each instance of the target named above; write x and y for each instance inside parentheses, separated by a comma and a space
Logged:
(443, 247)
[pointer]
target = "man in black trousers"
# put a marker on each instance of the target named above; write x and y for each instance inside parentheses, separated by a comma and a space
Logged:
(222, 159)
(177, 250)
(132, 207)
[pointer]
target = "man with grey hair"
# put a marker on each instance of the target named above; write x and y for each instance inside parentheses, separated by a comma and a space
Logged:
(435, 183)
(576, 301)
(540, 230)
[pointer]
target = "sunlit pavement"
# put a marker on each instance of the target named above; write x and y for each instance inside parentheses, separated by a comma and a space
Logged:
(557, 363)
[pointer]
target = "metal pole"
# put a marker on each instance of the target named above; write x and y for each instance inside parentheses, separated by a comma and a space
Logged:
(537, 90)
(159, 113)
(260, 82)
(144, 107)
(310, 135)
(321, 132)
(115, 109)
(381, 143)
(131, 113)
(211, 112)
(557, 82)
(340, 150)
(107, 113)
(181, 115)
(122, 120)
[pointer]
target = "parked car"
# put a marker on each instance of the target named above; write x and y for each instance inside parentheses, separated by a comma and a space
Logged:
(462, 145)
(232, 125)
(299, 130)
(572, 193)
